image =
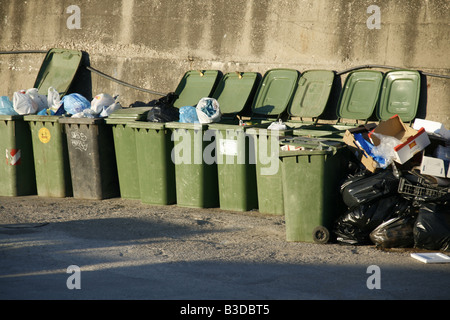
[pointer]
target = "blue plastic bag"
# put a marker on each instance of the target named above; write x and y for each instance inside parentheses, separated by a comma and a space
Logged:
(6, 107)
(75, 103)
(188, 114)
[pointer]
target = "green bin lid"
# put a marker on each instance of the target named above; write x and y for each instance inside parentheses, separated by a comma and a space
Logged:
(58, 70)
(87, 121)
(275, 92)
(400, 95)
(312, 94)
(194, 85)
(360, 94)
(4, 117)
(235, 91)
(127, 114)
(39, 118)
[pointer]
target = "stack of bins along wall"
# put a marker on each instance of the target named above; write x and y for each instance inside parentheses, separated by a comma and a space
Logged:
(236, 143)
(92, 158)
(17, 174)
(154, 146)
(51, 159)
(125, 149)
(311, 183)
(196, 180)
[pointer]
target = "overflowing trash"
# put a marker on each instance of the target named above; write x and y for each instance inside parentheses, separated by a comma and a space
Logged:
(397, 200)
(28, 102)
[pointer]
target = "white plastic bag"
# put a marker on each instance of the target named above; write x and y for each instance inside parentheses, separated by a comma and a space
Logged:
(208, 110)
(110, 109)
(53, 99)
(101, 101)
(277, 125)
(39, 99)
(23, 104)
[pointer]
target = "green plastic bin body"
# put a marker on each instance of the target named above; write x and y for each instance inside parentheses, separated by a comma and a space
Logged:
(51, 159)
(237, 156)
(125, 149)
(156, 169)
(195, 175)
(17, 174)
(312, 202)
(92, 158)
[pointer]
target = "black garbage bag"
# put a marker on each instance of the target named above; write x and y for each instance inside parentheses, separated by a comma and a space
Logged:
(432, 227)
(163, 109)
(355, 226)
(361, 189)
(396, 232)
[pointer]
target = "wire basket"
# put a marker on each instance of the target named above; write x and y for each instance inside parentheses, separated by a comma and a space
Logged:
(419, 192)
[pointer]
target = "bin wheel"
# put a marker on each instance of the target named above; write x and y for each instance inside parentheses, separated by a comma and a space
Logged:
(321, 234)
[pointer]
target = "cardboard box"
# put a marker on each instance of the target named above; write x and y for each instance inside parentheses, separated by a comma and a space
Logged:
(434, 167)
(355, 147)
(412, 141)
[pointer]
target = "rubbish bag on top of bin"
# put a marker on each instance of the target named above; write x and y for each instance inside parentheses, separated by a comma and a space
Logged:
(208, 110)
(188, 114)
(163, 110)
(355, 226)
(74, 103)
(23, 104)
(6, 107)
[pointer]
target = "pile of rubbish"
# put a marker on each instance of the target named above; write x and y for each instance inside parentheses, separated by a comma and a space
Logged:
(397, 198)
(75, 105)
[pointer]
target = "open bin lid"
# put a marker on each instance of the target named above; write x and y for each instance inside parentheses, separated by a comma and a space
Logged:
(400, 95)
(312, 94)
(194, 85)
(58, 70)
(275, 92)
(360, 94)
(235, 92)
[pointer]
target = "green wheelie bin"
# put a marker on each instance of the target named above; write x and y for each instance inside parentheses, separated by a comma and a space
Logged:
(51, 158)
(125, 149)
(156, 169)
(17, 174)
(311, 183)
(195, 180)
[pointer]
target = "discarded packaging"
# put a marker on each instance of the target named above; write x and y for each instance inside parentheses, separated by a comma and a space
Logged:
(412, 141)
(431, 257)
(6, 107)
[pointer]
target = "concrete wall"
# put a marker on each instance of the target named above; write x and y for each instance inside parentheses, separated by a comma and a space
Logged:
(152, 43)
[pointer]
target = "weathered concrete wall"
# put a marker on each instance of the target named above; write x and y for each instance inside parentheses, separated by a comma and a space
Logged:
(152, 43)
